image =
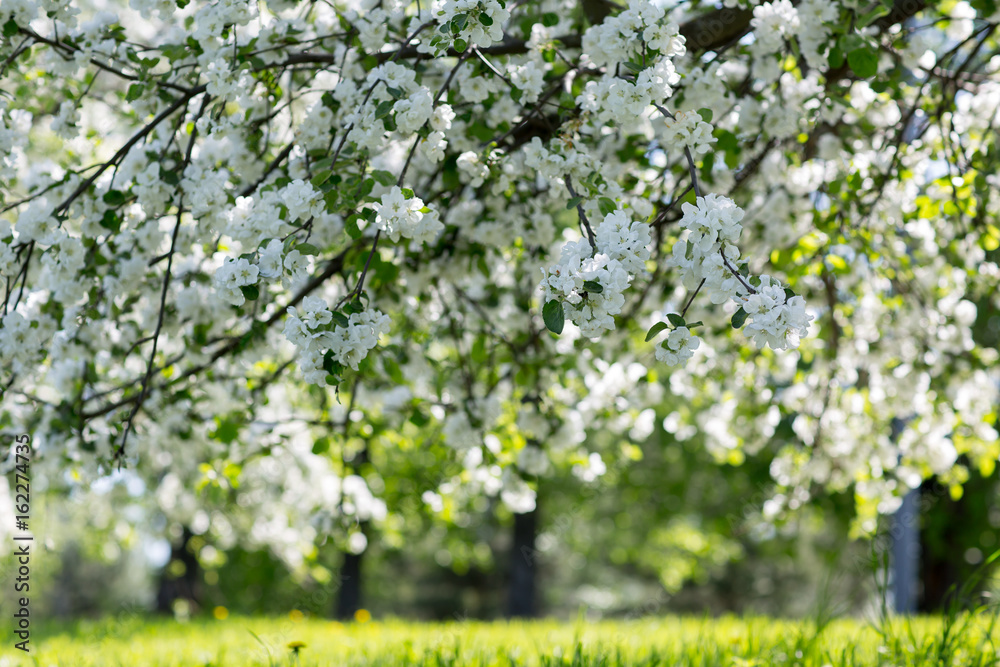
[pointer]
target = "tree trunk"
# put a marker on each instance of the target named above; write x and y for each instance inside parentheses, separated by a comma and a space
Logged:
(950, 528)
(349, 595)
(183, 586)
(523, 565)
(906, 554)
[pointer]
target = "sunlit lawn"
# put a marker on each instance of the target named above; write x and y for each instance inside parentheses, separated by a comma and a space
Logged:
(130, 641)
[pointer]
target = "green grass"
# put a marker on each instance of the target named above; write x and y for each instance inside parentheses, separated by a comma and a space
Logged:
(131, 641)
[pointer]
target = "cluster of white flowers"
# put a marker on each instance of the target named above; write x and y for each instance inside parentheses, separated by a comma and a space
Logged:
(302, 200)
(592, 468)
(622, 248)
(211, 19)
(64, 123)
(254, 218)
(21, 12)
(773, 22)
(314, 130)
(471, 166)
(815, 17)
(624, 240)
(528, 78)
(412, 112)
(615, 99)
(713, 229)
(257, 218)
(270, 259)
(233, 275)
(222, 81)
(14, 127)
(678, 347)
(61, 267)
(534, 461)
(641, 38)
(398, 216)
(708, 253)
(8, 258)
(552, 164)
(687, 129)
(619, 38)
(37, 223)
(484, 19)
(314, 332)
(20, 339)
(774, 318)
(516, 494)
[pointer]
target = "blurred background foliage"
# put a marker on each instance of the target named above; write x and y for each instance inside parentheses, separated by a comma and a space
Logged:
(665, 530)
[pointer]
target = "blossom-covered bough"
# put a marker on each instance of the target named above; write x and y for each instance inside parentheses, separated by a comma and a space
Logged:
(243, 242)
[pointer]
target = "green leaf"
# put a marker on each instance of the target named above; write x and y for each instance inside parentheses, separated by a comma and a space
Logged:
(555, 318)
(654, 330)
(341, 319)
(633, 66)
(849, 42)
(383, 109)
(867, 19)
(593, 286)
(863, 61)
(321, 446)
(461, 45)
(478, 352)
(573, 203)
(418, 418)
(10, 28)
(333, 367)
(485, 19)
(836, 59)
(226, 430)
(111, 221)
(393, 371)
(739, 317)
(114, 198)
(695, 324)
(549, 19)
(135, 91)
(170, 176)
(676, 320)
(789, 293)
(321, 178)
(384, 177)
(607, 205)
(706, 115)
(351, 225)
(307, 249)
(251, 292)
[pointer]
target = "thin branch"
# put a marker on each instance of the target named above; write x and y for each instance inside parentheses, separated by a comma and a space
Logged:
(583, 216)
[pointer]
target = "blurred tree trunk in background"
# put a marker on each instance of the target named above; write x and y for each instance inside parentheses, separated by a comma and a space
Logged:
(956, 537)
(349, 595)
(179, 580)
(523, 565)
(906, 554)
